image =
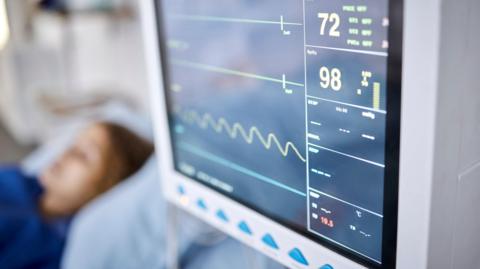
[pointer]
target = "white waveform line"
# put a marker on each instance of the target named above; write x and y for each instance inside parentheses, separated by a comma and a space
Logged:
(206, 120)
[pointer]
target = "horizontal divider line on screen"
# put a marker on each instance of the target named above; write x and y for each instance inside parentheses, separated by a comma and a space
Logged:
(345, 202)
(348, 155)
(219, 160)
(376, 53)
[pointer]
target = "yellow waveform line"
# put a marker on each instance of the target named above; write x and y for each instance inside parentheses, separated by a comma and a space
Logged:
(206, 120)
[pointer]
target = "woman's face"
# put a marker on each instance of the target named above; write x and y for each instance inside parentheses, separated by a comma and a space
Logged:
(79, 175)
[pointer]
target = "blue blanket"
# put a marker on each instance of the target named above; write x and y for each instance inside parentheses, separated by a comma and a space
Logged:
(26, 239)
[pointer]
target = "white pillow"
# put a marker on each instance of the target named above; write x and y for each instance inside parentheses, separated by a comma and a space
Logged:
(115, 112)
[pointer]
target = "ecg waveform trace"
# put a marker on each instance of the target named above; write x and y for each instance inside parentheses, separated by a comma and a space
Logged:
(226, 71)
(234, 20)
(206, 120)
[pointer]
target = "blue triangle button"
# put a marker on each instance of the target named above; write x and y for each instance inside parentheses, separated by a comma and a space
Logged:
(297, 255)
(180, 190)
(326, 266)
(269, 241)
(201, 204)
(244, 227)
(221, 215)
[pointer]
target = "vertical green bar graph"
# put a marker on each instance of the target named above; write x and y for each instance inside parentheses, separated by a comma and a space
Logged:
(376, 95)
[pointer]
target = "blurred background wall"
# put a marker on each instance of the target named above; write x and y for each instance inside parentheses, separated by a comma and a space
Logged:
(61, 60)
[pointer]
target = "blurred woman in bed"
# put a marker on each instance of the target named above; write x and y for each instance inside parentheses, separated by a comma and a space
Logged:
(35, 212)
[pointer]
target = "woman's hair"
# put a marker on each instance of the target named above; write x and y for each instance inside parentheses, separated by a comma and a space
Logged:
(130, 150)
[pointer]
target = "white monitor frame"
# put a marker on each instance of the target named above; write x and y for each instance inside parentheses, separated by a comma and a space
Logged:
(414, 198)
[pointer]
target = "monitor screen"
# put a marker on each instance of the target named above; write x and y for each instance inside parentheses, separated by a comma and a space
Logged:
(283, 106)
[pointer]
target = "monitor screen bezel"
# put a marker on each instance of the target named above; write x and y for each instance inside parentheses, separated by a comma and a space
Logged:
(392, 143)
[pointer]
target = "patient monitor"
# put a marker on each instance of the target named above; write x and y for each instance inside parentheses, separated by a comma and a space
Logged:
(333, 134)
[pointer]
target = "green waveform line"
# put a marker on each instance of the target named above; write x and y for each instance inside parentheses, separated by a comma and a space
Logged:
(228, 19)
(231, 72)
(206, 120)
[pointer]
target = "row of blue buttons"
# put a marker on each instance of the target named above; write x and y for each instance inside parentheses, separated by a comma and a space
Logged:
(268, 239)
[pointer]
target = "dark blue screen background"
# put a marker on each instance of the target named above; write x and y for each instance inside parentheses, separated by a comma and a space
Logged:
(250, 118)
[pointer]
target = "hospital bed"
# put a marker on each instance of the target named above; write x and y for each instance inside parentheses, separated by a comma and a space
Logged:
(126, 227)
